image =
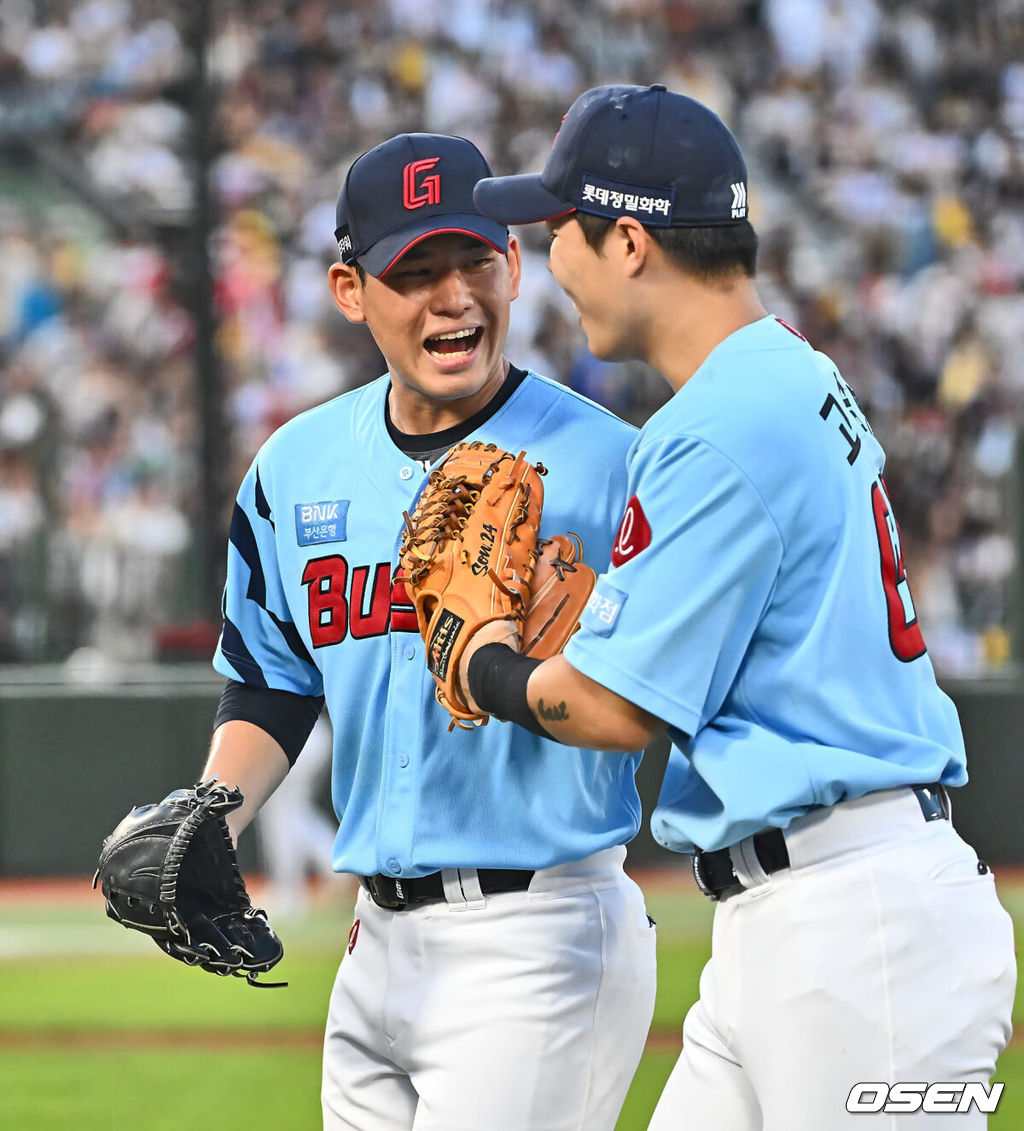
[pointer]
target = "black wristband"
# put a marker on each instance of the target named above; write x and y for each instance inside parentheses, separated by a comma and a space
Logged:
(497, 681)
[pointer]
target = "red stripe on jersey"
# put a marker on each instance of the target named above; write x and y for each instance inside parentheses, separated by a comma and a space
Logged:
(786, 326)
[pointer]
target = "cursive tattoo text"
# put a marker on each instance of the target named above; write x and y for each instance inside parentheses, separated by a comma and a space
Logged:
(552, 713)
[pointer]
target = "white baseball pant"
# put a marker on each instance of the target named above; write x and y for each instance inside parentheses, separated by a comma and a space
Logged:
(523, 1011)
(881, 955)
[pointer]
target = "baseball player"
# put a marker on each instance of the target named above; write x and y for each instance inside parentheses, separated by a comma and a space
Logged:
(499, 973)
(757, 606)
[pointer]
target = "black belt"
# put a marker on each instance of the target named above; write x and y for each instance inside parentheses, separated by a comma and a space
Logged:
(716, 876)
(395, 893)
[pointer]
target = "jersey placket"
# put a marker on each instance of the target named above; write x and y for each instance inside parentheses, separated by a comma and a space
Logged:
(401, 741)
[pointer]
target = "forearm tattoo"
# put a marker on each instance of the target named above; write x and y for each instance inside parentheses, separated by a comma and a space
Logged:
(552, 714)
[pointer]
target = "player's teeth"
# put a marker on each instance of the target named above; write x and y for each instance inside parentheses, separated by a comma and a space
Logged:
(463, 340)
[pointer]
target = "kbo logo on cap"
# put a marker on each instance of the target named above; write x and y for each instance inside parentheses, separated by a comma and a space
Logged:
(428, 191)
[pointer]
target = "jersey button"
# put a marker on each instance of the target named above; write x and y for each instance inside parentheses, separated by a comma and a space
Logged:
(394, 866)
(403, 760)
(410, 652)
(405, 473)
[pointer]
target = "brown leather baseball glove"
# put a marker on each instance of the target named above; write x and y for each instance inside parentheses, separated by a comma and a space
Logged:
(470, 555)
(559, 591)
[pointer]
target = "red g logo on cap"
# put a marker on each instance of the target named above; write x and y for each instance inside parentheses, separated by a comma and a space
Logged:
(634, 533)
(428, 191)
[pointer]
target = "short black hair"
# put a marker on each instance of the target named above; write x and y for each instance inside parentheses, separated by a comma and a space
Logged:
(707, 253)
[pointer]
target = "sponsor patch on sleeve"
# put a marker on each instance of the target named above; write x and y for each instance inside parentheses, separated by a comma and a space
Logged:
(634, 533)
(603, 609)
(321, 522)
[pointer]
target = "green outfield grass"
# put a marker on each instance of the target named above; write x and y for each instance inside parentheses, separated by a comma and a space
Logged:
(103, 1032)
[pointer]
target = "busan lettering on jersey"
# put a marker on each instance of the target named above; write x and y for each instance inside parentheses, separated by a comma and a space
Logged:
(341, 600)
(841, 410)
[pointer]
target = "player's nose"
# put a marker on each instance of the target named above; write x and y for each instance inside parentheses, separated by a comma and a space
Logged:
(452, 294)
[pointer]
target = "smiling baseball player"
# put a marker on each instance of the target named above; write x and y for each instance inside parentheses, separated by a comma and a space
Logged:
(758, 608)
(499, 973)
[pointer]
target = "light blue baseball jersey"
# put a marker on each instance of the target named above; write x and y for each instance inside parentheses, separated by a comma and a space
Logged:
(758, 601)
(310, 607)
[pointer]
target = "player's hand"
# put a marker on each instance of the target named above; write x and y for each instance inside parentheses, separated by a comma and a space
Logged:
(503, 631)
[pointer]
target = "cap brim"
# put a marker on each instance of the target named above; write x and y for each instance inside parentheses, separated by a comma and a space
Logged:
(386, 252)
(518, 200)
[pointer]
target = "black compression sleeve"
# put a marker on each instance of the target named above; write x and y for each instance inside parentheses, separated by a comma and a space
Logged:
(288, 718)
(497, 681)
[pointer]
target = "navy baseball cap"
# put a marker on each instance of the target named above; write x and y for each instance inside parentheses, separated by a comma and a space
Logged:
(641, 151)
(406, 189)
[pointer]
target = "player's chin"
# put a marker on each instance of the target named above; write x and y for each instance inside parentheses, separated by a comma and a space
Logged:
(466, 381)
(602, 343)
(600, 346)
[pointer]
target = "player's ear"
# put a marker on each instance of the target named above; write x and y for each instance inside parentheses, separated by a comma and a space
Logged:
(347, 291)
(515, 265)
(631, 243)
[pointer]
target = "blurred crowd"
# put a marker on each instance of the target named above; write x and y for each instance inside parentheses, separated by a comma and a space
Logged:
(886, 150)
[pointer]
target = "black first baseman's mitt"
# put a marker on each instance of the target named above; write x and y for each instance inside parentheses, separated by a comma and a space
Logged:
(169, 870)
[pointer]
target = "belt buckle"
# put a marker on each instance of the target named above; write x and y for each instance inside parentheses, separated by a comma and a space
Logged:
(702, 882)
(373, 890)
(933, 801)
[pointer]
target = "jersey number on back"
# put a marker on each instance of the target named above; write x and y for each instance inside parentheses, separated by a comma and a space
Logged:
(904, 632)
